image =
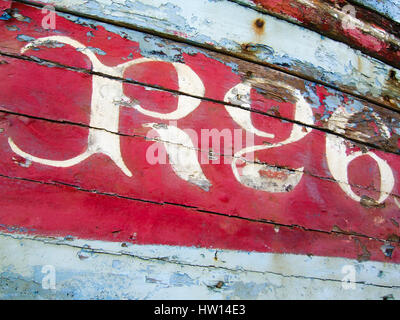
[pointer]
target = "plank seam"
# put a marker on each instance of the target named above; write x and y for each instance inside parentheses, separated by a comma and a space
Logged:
(45, 62)
(48, 241)
(325, 178)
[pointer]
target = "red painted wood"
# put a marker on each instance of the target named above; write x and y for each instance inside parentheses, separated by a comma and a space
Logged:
(58, 94)
(68, 212)
(315, 203)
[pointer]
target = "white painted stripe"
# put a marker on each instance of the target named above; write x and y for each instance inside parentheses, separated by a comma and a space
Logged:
(109, 270)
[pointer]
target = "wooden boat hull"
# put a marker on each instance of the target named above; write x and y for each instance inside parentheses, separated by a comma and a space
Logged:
(163, 145)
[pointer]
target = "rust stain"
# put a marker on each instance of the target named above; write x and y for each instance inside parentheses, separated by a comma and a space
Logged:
(258, 26)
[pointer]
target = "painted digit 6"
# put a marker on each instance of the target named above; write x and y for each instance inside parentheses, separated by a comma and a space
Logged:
(338, 159)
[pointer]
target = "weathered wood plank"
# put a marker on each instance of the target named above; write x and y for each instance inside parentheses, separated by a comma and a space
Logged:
(354, 25)
(368, 124)
(272, 92)
(388, 8)
(276, 43)
(164, 182)
(119, 219)
(125, 271)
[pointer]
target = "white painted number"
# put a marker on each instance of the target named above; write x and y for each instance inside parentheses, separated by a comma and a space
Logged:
(49, 280)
